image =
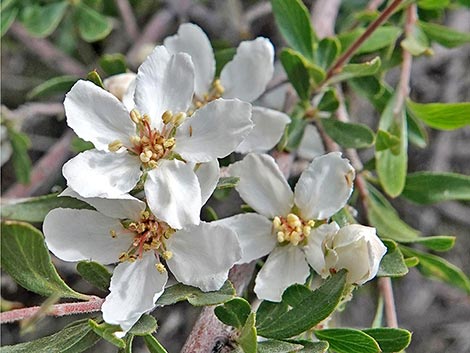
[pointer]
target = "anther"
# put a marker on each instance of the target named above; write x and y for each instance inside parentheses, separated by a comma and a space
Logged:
(179, 118)
(218, 87)
(135, 140)
(277, 222)
(160, 268)
(167, 255)
(280, 237)
(144, 158)
(113, 233)
(152, 164)
(115, 146)
(135, 116)
(169, 143)
(167, 116)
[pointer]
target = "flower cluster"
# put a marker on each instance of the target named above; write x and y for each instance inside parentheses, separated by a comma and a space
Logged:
(157, 137)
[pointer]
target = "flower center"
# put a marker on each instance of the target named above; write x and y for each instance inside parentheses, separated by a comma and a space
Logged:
(215, 93)
(292, 228)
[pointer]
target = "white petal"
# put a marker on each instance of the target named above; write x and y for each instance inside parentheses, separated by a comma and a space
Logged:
(246, 76)
(121, 207)
(262, 185)
(75, 235)
(135, 287)
(354, 258)
(208, 176)
(324, 187)
(311, 144)
(314, 249)
(97, 116)
(284, 267)
(119, 84)
(203, 255)
(268, 128)
(164, 82)
(254, 233)
(192, 40)
(102, 174)
(214, 131)
(128, 98)
(173, 193)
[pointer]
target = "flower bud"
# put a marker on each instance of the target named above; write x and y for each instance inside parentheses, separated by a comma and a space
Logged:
(118, 84)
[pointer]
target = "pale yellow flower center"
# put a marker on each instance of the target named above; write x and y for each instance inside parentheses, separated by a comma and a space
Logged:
(215, 93)
(292, 229)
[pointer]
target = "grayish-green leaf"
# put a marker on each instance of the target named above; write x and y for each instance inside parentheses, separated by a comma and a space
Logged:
(274, 346)
(297, 71)
(350, 71)
(327, 51)
(445, 36)
(393, 263)
(26, 258)
(381, 38)
(113, 64)
(145, 326)
(234, 313)
(55, 85)
(312, 347)
(107, 331)
(441, 116)
(416, 42)
(41, 21)
(7, 17)
(248, 338)
(20, 144)
(345, 340)
(195, 296)
(79, 145)
(94, 273)
(92, 25)
(390, 339)
(153, 345)
(437, 242)
(349, 135)
(386, 140)
(417, 134)
(95, 77)
(329, 102)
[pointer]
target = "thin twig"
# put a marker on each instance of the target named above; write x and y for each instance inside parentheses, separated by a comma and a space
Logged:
(130, 22)
(322, 12)
(90, 306)
(258, 10)
(386, 290)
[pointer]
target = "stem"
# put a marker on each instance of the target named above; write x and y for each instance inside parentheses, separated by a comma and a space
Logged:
(130, 22)
(322, 13)
(386, 290)
(90, 306)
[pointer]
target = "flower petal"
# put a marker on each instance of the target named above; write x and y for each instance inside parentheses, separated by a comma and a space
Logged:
(101, 174)
(246, 76)
(208, 175)
(314, 249)
(192, 40)
(120, 207)
(203, 255)
(119, 84)
(267, 130)
(75, 235)
(173, 193)
(324, 187)
(97, 116)
(311, 144)
(214, 131)
(284, 267)
(254, 233)
(164, 82)
(128, 98)
(262, 185)
(135, 287)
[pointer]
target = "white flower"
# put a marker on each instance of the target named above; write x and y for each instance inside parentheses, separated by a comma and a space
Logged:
(354, 247)
(285, 220)
(156, 137)
(118, 85)
(244, 77)
(124, 231)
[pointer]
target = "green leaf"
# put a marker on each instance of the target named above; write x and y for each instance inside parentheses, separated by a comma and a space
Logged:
(20, 144)
(390, 339)
(95, 274)
(92, 26)
(386, 140)
(300, 308)
(79, 145)
(416, 42)
(392, 166)
(26, 258)
(295, 132)
(312, 347)
(417, 134)
(153, 345)
(329, 101)
(227, 183)
(350, 71)
(234, 313)
(411, 261)
(349, 135)
(393, 263)
(35, 209)
(441, 116)
(437, 242)
(7, 17)
(195, 296)
(427, 187)
(56, 85)
(274, 346)
(385, 218)
(437, 268)
(298, 71)
(75, 338)
(113, 64)
(376, 91)
(107, 331)
(248, 338)
(222, 57)
(293, 20)
(145, 326)
(94, 77)
(433, 4)
(381, 38)
(445, 36)
(346, 340)
(41, 21)
(327, 51)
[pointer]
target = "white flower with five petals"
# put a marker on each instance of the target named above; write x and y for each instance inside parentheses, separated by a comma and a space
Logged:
(157, 137)
(284, 224)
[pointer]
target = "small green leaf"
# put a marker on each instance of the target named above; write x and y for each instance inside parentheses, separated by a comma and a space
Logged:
(35, 209)
(24, 256)
(41, 21)
(95, 77)
(222, 57)
(7, 17)
(153, 345)
(107, 331)
(295, 132)
(300, 308)
(390, 339)
(386, 140)
(195, 296)
(350, 71)
(437, 242)
(293, 20)
(75, 338)
(417, 134)
(411, 261)
(227, 183)
(393, 263)
(416, 42)
(92, 26)
(274, 346)
(79, 145)
(327, 51)
(437, 268)
(329, 101)
(433, 4)
(56, 85)
(248, 339)
(376, 91)
(312, 347)
(349, 135)
(145, 326)
(94, 273)
(345, 340)
(427, 187)
(20, 144)
(234, 313)
(381, 38)
(113, 64)
(445, 36)
(441, 116)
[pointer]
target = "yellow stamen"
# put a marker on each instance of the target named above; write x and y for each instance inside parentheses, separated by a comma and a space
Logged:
(113, 233)
(167, 255)
(167, 117)
(169, 143)
(179, 118)
(135, 116)
(160, 268)
(115, 146)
